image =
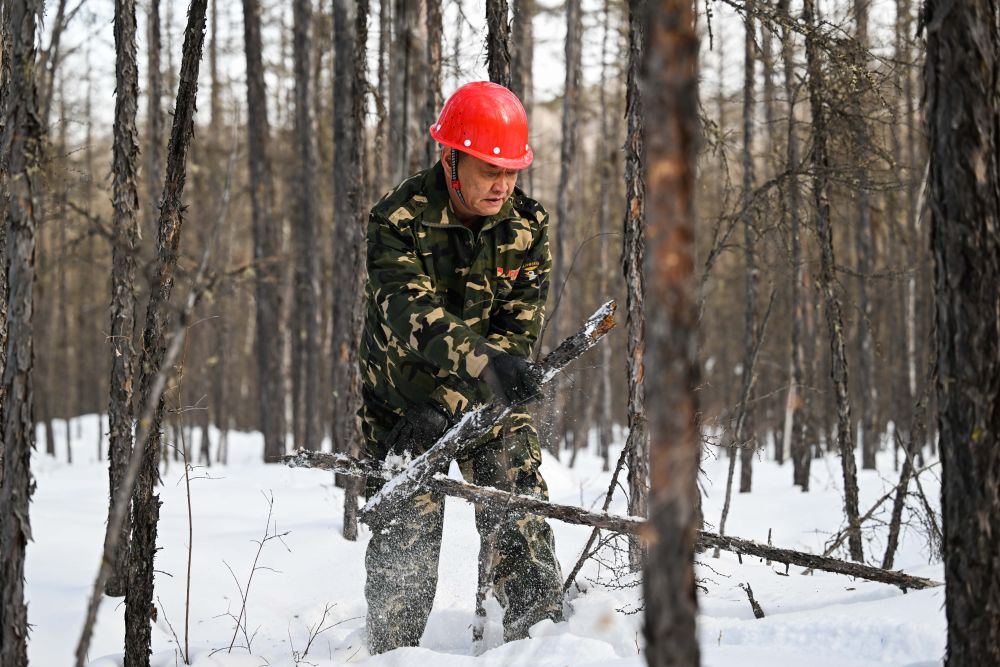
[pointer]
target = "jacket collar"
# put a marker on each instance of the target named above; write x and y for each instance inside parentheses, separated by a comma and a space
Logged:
(438, 211)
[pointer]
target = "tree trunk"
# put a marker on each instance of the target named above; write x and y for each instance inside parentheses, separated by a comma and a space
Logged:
(154, 121)
(794, 435)
(433, 102)
(866, 355)
(349, 180)
(405, 110)
(835, 322)
(567, 150)
(608, 162)
(632, 262)
(746, 438)
(125, 199)
(20, 162)
(379, 181)
(215, 89)
(270, 341)
(670, 87)
(522, 58)
(307, 270)
(51, 59)
(498, 42)
(145, 504)
(343, 130)
(963, 117)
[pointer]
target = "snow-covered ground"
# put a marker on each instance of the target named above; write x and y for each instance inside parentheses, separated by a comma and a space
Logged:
(821, 620)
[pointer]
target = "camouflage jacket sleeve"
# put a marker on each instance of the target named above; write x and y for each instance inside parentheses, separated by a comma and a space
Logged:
(407, 303)
(517, 319)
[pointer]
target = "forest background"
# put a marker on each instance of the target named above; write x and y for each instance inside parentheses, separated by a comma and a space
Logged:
(749, 218)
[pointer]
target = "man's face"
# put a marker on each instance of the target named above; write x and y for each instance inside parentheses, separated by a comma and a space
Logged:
(485, 186)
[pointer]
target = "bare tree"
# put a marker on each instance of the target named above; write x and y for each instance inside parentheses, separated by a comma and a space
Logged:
(154, 120)
(306, 341)
(125, 224)
(379, 183)
(498, 42)
(351, 223)
(567, 148)
(21, 137)
(834, 319)
(793, 438)
(963, 117)
(746, 438)
(433, 102)
(608, 163)
(405, 110)
(862, 149)
(146, 504)
(522, 58)
(670, 103)
(267, 233)
(633, 253)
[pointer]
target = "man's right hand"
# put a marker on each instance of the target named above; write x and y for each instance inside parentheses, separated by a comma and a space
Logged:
(417, 429)
(513, 380)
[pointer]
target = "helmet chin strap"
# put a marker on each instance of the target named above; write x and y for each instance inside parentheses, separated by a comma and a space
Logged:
(455, 184)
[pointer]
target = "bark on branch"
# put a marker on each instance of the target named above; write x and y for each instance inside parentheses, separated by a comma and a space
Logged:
(346, 465)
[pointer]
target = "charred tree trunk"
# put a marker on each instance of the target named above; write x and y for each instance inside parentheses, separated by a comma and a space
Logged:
(349, 177)
(307, 270)
(125, 199)
(632, 263)
(145, 504)
(20, 162)
(963, 124)
(498, 42)
(269, 342)
(834, 319)
(746, 438)
(670, 100)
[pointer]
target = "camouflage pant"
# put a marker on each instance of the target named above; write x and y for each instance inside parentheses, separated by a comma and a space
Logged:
(402, 556)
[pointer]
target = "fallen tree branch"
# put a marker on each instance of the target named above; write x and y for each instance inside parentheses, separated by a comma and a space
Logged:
(620, 524)
(478, 422)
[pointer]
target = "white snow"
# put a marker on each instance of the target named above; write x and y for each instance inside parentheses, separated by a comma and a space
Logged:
(823, 620)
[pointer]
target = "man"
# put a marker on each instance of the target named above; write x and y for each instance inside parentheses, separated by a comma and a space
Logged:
(458, 264)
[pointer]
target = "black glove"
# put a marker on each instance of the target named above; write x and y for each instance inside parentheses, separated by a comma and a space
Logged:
(513, 380)
(417, 429)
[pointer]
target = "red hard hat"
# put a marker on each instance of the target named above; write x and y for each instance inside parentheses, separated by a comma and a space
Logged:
(486, 120)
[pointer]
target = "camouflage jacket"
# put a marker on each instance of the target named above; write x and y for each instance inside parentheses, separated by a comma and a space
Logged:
(442, 300)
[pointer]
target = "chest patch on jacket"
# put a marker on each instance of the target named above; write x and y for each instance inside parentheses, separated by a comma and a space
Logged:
(510, 275)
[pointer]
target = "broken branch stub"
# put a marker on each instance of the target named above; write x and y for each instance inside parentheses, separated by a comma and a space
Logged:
(477, 423)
